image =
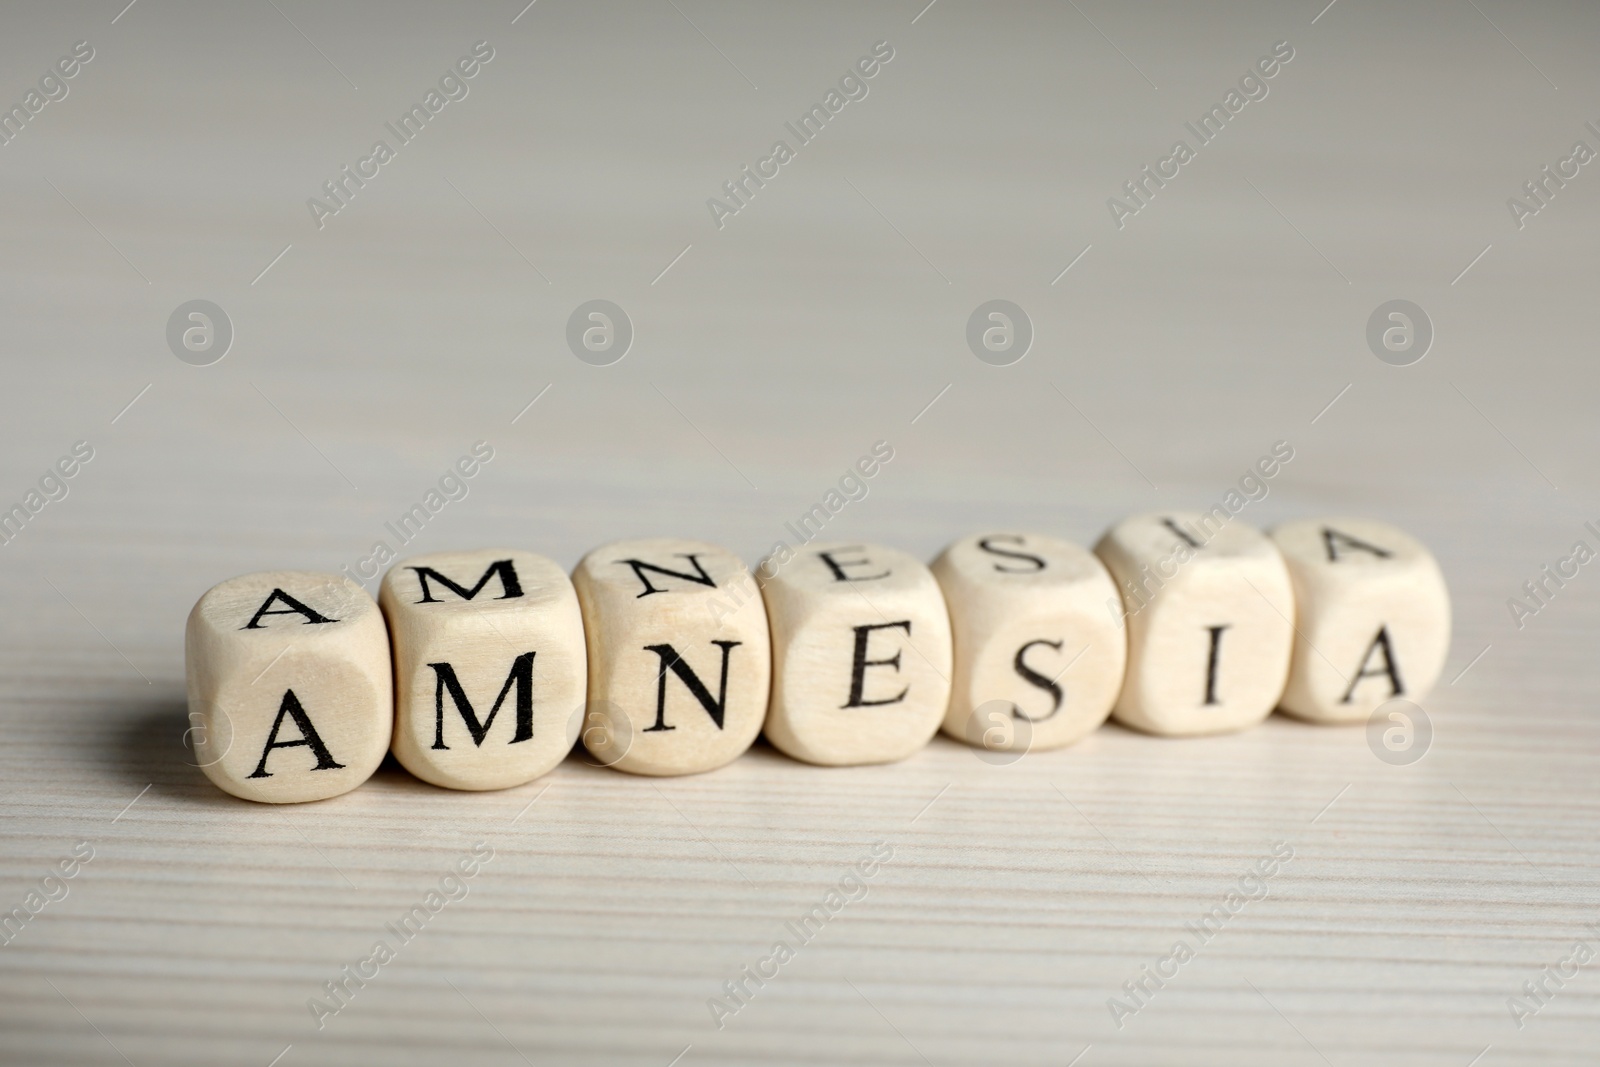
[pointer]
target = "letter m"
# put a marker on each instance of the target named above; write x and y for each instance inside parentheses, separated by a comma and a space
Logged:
(520, 677)
(501, 568)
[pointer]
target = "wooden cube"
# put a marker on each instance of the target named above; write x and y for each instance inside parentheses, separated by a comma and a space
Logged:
(290, 686)
(1039, 658)
(679, 659)
(861, 653)
(1373, 617)
(1209, 614)
(490, 667)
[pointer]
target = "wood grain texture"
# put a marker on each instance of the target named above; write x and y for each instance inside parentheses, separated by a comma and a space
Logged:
(429, 314)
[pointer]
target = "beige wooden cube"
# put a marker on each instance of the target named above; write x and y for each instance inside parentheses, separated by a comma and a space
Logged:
(490, 667)
(1038, 659)
(679, 659)
(1209, 611)
(1373, 616)
(290, 686)
(861, 653)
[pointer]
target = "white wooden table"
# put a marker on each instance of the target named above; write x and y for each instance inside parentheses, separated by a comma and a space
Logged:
(826, 314)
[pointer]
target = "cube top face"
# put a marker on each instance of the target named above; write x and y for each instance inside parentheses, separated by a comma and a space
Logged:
(1209, 622)
(861, 653)
(1039, 652)
(1014, 564)
(1166, 534)
(275, 608)
(657, 570)
(472, 585)
(490, 665)
(845, 570)
(680, 661)
(1350, 549)
(1373, 617)
(290, 689)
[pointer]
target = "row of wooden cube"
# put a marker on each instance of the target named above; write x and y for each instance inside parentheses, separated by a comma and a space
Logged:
(482, 669)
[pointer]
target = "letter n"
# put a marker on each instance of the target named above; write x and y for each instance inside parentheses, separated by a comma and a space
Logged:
(670, 660)
(699, 577)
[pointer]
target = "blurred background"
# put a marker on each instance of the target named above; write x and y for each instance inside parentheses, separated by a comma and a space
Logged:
(351, 347)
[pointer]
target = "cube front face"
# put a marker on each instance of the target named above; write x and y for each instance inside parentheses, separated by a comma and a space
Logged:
(290, 691)
(1374, 617)
(861, 654)
(490, 666)
(680, 662)
(1210, 622)
(1039, 656)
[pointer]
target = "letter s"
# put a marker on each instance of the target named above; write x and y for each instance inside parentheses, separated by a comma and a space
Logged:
(483, 450)
(84, 451)
(883, 50)
(883, 450)
(1034, 678)
(483, 50)
(84, 851)
(83, 50)
(1283, 50)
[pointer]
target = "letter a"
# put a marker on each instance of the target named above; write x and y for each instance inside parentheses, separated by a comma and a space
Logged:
(308, 737)
(1388, 669)
(1333, 538)
(292, 607)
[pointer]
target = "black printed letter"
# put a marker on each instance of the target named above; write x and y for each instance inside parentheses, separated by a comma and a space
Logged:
(509, 586)
(640, 566)
(858, 668)
(1211, 664)
(1390, 668)
(308, 737)
(837, 566)
(293, 607)
(1329, 534)
(521, 676)
(670, 660)
(1033, 677)
(1038, 564)
(1181, 532)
